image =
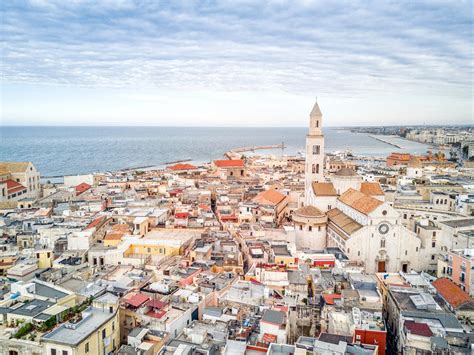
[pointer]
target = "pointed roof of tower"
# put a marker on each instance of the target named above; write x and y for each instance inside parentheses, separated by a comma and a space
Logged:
(316, 111)
(414, 162)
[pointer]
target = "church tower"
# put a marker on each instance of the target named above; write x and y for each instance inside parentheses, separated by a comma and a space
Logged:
(314, 151)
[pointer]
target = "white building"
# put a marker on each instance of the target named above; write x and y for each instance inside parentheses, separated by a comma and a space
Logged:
(343, 211)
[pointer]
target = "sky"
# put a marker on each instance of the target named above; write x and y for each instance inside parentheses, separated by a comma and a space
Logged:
(236, 63)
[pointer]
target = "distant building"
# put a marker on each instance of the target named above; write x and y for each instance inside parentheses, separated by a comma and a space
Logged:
(21, 173)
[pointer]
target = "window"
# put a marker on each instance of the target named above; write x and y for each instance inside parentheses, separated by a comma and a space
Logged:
(149, 250)
(65, 352)
(319, 228)
(434, 233)
(384, 212)
(433, 244)
(317, 123)
(316, 149)
(404, 216)
(111, 310)
(53, 351)
(103, 334)
(358, 253)
(86, 349)
(432, 257)
(406, 252)
(382, 243)
(310, 228)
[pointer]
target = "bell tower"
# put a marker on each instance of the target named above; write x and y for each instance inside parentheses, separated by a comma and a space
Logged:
(314, 151)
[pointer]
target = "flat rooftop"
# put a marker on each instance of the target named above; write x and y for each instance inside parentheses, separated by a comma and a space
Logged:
(47, 291)
(32, 308)
(92, 320)
(459, 223)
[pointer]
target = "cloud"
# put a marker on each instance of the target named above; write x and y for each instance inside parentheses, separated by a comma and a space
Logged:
(347, 48)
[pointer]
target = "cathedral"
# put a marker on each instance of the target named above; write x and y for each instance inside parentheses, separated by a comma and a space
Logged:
(340, 210)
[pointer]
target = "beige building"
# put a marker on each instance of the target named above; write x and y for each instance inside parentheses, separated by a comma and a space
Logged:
(96, 331)
(23, 173)
(314, 167)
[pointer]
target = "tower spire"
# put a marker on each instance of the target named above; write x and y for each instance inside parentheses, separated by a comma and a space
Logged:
(314, 151)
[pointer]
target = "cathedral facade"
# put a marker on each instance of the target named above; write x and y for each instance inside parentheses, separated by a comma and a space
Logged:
(340, 210)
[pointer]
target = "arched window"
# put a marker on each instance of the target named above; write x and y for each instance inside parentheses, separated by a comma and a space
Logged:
(382, 243)
(317, 168)
(317, 123)
(313, 169)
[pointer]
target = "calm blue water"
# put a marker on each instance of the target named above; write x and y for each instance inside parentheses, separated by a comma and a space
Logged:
(77, 150)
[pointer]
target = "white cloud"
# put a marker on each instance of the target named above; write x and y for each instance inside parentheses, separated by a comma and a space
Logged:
(348, 49)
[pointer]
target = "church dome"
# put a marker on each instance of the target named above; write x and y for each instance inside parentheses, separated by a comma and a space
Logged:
(309, 211)
(345, 172)
(414, 162)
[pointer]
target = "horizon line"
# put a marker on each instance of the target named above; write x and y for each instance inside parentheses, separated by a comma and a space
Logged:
(234, 126)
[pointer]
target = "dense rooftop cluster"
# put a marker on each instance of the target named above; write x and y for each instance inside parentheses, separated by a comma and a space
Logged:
(248, 255)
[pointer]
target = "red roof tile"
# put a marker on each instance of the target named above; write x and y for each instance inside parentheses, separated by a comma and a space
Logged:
(156, 304)
(13, 186)
(156, 314)
(237, 163)
(82, 187)
(421, 329)
(95, 222)
(181, 215)
(137, 300)
(451, 292)
(269, 338)
(329, 298)
(178, 167)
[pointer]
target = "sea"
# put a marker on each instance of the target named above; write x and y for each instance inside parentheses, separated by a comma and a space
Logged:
(59, 151)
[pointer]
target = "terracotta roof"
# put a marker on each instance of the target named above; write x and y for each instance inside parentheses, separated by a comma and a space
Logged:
(95, 222)
(269, 197)
(324, 189)
(329, 298)
(360, 201)
(451, 292)
(156, 314)
(371, 189)
(343, 221)
(114, 236)
(237, 163)
(309, 211)
(13, 186)
(421, 329)
(82, 187)
(13, 167)
(181, 215)
(121, 227)
(137, 300)
(269, 338)
(182, 167)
